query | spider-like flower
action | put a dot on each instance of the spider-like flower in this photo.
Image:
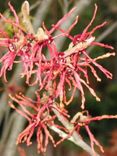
(15, 44)
(71, 66)
(84, 119)
(40, 118)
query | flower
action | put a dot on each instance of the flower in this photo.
(40, 118)
(83, 119)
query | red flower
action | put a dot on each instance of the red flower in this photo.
(7, 60)
(38, 114)
(83, 119)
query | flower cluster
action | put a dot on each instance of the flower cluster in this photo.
(55, 73)
(70, 67)
(40, 118)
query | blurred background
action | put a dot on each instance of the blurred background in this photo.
(50, 11)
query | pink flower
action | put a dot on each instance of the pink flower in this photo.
(38, 114)
(7, 60)
(83, 119)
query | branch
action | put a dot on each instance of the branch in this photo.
(33, 6)
(10, 147)
(4, 97)
(75, 138)
(41, 13)
(7, 128)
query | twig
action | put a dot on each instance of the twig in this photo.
(11, 143)
(41, 13)
(75, 138)
(7, 128)
(33, 6)
(64, 8)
